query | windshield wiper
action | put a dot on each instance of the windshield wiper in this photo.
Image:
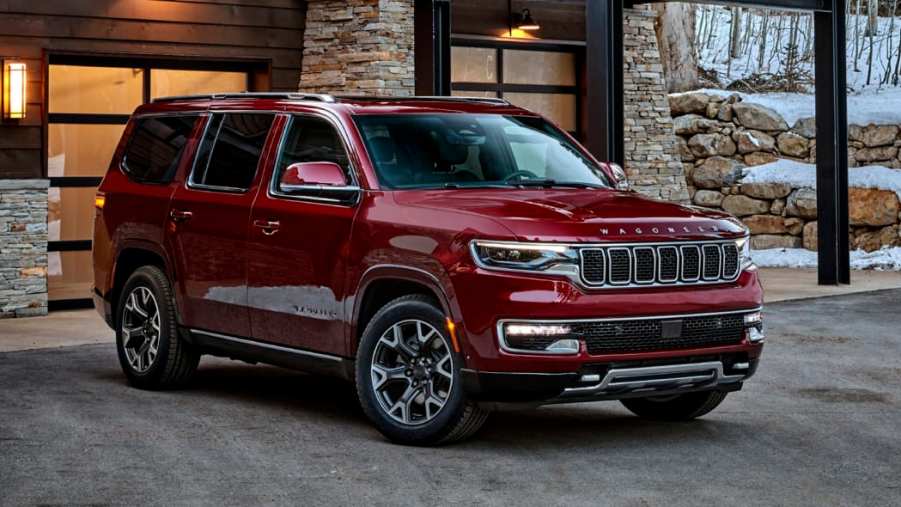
(547, 183)
(454, 186)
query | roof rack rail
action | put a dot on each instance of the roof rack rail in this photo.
(436, 98)
(319, 97)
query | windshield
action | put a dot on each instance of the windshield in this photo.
(474, 150)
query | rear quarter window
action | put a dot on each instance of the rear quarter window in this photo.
(156, 147)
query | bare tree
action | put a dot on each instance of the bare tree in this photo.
(675, 27)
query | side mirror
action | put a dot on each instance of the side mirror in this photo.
(619, 177)
(316, 174)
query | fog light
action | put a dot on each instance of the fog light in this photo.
(568, 346)
(756, 335)
(536, 330)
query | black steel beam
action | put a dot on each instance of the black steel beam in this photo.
(433, 47)
(799, 5)
(604, 79)
(832, 145)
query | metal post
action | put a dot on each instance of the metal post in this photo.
(432, 47)
(604, 77)
(832, 145)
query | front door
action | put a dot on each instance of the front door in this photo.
(209, 220)
(298, 244)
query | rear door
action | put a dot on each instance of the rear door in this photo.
(209, 219)
(299, 243)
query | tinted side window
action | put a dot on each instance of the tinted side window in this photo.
(156, 146)
(237, 141)
(312, 140)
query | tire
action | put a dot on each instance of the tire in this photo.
(682, 407)
(419, 421)
(148, 291)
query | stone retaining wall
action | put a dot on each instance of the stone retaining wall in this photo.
(23, 248)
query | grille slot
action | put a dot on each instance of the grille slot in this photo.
(660, 264)
(620, 266)
(712, 262)
(646, 335)
(594, 265)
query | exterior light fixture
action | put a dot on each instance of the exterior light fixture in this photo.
(522, 21)
(14, 98)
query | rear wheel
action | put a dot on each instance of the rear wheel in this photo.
(151, 352)
(679, 407)
(408, 376)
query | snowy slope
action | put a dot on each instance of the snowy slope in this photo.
(887, 259)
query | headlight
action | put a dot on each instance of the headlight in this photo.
(744, 252)
(546, 257)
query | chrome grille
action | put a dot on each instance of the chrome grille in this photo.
(660, 264)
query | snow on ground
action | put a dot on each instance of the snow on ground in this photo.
(871, 106)
(799, 174)
(887, 259)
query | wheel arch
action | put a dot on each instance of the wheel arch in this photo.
(130, 258)
(384, 283)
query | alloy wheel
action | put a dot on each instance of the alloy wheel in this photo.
(141, 329)
(412, 372)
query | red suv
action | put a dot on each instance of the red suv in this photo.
(447, 255)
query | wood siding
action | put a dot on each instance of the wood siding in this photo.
(559, 19)
(268, 32)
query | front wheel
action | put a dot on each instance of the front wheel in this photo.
(679, 407)
(408, 376)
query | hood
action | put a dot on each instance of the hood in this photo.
(580, 215)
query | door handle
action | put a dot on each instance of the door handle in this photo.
(269, 227)
(178, 215)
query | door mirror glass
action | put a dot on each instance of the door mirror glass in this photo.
(619, 175)
(306, 174)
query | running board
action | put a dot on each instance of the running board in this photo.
(255, 351)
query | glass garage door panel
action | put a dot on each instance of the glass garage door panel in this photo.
(168, 83)
(69, 275)
(95, 90)
(560, 108)
(81, 149)
(473, 65)
(539, 67)
(462, 93)
(70, 213)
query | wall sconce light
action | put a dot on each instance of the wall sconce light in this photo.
(14, 83)
(521, 21)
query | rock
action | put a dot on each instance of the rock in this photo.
(712, 109)
(767, 241)
(708, 145)
(806, 127)
(868, 155)
(766, 190)
(870, 206)
(855, 133)
(760, 158)
(725, 113)
(810, 236)
(686, 103)
(794, 226)
(765, 224)
(716, 172)
(793, 145)
(802, 203)
(871, 241)
(751, 140)
(879, 135)
(742, 205)
(684, 151)
(777, 207)
(757, 117)
(708, 198)
(692, 124)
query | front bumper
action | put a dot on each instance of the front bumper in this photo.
(613, 380)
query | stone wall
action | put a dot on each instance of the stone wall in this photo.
(651, 150)
(358, 46)
(23, 248)
(720, 136)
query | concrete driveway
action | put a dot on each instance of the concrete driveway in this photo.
(819, 425)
